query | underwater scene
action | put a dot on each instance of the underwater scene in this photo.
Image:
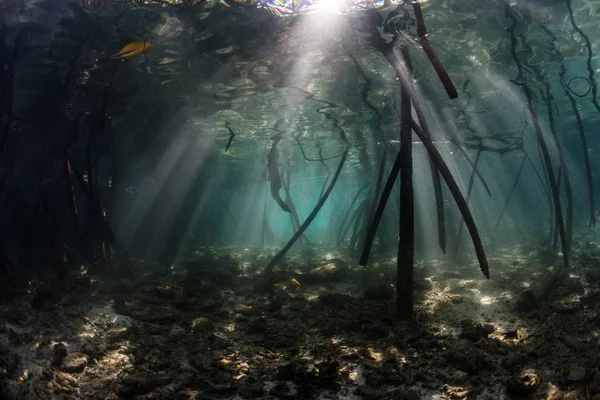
(299, 199)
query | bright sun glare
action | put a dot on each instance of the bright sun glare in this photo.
(334, 6)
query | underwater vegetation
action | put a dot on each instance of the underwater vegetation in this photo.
(283, 199)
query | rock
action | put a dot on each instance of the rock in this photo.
(92, 347)
(511, 333)
(576, 372)
(59, 352)
(423, 285)
(65, 381)
(576, 344)
(469, 359)
(456, 392)
(202, 324)
(514, 360)
(524, 384)
(475, 332)
(332, 271)
(336, 299)
(457, 298)
(74, 363)
(379, 291)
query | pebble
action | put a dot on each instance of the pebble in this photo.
(59, 352)
(523, 384)
(202, 324)
(74, 363)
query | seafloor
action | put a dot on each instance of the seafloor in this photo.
(208, 329)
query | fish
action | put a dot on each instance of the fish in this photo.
(292, 284)
(134, 49)
(275, 176)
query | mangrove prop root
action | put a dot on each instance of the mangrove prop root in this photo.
(266, 230)
(439, 207)
(435, 61)
(569, 228)
(402, 73)
(458, 197)
(590, 56)
(74, 214)
(570, 93)
(406, 237)
(554, 187)
(511, 192)
(565, 169)
(383, 199)
(559, 175)
(540, 136)
(327, 175)
(469, 190)
(378, 184)
(475, 169)
(294, 219)
(342, 232)
(539, 176)
(311, 216)
(586, 153)
(588, 165)
(546, 190)
(370, 237)
(358, 216)
(231, 135)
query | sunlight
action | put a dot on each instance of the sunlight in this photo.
(328, 6)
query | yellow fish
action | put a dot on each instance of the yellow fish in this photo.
(134, 49)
